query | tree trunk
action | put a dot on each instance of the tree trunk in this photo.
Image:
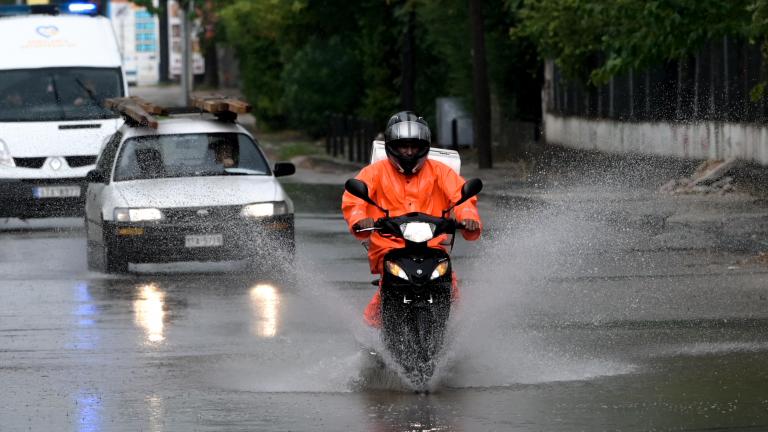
(408, 85)
(481, 93)
(211, 65)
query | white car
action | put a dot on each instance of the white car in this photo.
(193, 189)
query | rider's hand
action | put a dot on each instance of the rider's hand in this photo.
(363, 224)
(471, 224)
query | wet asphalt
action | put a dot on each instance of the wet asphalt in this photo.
(587, 306)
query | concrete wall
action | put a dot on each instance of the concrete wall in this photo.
(695, 140)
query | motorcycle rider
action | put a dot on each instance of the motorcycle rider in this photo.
(406, 182)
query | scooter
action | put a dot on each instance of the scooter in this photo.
(416, 284)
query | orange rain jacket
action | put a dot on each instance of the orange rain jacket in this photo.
(431, 190)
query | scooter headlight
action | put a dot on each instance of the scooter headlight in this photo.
(418, 232)
(440, 270)
(395, 270)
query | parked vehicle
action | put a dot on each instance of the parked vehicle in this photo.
(55, 69)
(188, 187)
(416, 284)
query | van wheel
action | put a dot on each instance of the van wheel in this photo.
(92, 257)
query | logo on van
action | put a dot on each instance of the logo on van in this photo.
(47, 31)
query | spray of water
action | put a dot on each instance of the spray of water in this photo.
(501, 331)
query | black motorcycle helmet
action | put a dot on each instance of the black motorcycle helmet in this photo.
(406, 127)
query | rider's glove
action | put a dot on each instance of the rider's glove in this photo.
(363, 224)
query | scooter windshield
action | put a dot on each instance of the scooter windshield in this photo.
(417, 232)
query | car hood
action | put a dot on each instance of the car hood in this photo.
(199, 191)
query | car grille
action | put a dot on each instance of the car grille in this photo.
(80, 161)
(29, 162)
(38, 162)
(202, 214)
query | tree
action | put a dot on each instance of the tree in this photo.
(482, 112)
(620, 35)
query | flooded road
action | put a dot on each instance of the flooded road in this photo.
(580, 311)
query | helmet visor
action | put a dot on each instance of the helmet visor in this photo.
(408, 130)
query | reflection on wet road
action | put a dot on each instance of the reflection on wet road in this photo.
(265, 301)
(148, 310)
(567, 332)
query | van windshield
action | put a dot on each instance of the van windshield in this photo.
(57, 93)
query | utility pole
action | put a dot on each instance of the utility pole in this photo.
(163, 22)
(480, 91)
(186, 60)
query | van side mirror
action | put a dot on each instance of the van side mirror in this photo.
(95, 176)
(283, 169)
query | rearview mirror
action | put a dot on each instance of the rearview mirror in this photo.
(359, 189)
(95, 176)
(284, 169)
(471, 188)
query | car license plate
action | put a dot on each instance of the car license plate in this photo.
(205, 240)
(56, 192)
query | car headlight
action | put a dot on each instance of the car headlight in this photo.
(257, 210)
(137, 214)
(396, 270)
(440, 270)
(5, 155)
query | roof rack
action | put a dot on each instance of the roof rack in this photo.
(135, 110)
(224, 108)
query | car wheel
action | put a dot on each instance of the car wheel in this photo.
(114, 261)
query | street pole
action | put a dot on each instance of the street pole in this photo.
(186, 68)
(164, 70)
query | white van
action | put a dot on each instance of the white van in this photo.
(54, 72)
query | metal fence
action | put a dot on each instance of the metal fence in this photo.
(714, 84)
(350, 137)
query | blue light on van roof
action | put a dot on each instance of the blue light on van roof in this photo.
(8, 10)
(64, 7)
(81, 8)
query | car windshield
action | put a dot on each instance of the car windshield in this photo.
(189, 155)
(57, 93)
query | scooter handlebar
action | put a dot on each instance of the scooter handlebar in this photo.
(388, 226)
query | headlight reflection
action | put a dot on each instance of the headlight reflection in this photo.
(265, 301)
(149, 313)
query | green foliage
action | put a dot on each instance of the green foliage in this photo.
(254, 28)
(321, 78)
(303, 58)
(288, 150)
(602, 38)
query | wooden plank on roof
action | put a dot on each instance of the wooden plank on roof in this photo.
(130, 108)
(221, 104)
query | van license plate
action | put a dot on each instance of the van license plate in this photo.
(56, 192)
(206, 240)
